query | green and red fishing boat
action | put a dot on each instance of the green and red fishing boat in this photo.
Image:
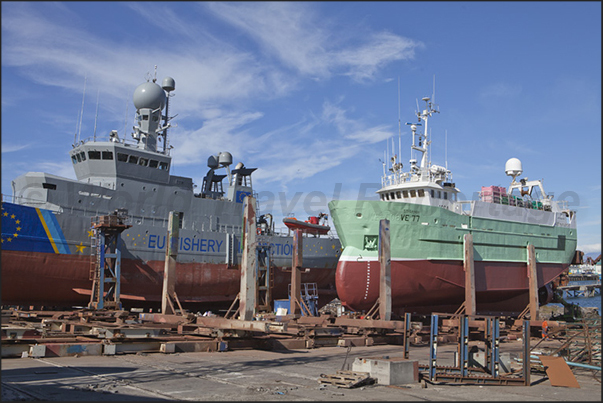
(428, 222)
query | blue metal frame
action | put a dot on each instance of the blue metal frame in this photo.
(494, 350)
(406, 334)
(433, 346)
(464, 345)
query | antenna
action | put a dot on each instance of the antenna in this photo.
(79, 130)
(126, 119)
(446, 148)
(399, 129)
(96, 116)
(433, 94)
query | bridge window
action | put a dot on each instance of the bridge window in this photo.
(421, 192)
(445, 195)
(153, 163)
(94, 155)
(413, 193)
(164, 166)
(122, 157)
(83, 154)
(133, 159)
(432, 193)
(143, 161)
(73, 159)
(398, 194)
(392, 196)
(107, 155)
(405, 194)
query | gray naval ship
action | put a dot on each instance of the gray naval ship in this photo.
(47, 236)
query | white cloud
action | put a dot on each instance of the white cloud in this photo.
(10, 148)
(590, 248)
(223, 132)
(297, 36)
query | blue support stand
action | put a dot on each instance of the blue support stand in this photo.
(433, 346)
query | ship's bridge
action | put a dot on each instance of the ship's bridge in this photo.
(102, 162)
(426, 193)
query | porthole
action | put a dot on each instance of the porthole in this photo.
(359, 215)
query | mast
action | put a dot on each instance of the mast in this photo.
(96, 114)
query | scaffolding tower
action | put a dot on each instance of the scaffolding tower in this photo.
(105, 259)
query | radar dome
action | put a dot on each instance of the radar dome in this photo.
(168, 84)
(212, 161)
(513, 167)
(225, 158)
(149, 95)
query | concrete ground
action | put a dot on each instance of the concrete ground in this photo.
(253, 375)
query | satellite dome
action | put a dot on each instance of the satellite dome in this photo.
(225, 158)
(513, 167)
(212, 161)
(168, 84)
(149, 95)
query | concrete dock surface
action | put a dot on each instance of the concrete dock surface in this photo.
(255, 375)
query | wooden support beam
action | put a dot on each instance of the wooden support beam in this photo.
(295, 299)
(169, 271)
(533, 282)
(469, 268)
(247, 295)
(385, 278)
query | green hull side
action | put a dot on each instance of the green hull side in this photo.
(419, 232)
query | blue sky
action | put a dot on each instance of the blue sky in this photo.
(308, 91)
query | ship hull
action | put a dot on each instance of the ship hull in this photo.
(425, 286)
(427, 254)
(46, 261)
(55, 280)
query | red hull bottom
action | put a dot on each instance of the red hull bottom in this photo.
(56, 280)
(439, 286)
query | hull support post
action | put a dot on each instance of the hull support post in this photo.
(385, 284)
(169, 272)
(533, 282)
(295, 298)
(247, 302)
(469, 268)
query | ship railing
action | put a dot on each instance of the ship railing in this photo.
(125, 142)
(396, 178)
(36, 203)
(511, 200)
(464, 207)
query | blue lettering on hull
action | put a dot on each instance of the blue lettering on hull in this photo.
(187, 244)
(204, 245)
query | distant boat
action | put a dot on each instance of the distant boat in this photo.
(311, 226)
